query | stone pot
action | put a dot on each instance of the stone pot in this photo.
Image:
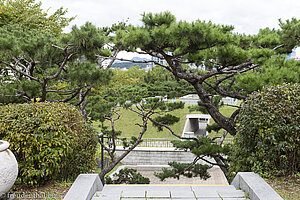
(8, 168)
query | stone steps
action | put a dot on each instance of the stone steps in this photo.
(157, 156)
(160, 191)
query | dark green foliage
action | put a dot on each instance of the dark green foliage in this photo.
(89, 41)
(291, 32)
(216, 100)
(276, 70)
(213, 127)
(36, 64)
(51, 141)
(269, 132)
(127, 176)
(184, 169)
(167, 119)
(207, 148)
(86, 73)
(17, 41)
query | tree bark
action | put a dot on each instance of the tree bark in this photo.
(223, 121)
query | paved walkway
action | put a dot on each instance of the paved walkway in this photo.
(155, 192)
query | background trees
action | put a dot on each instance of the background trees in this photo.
(28, 13)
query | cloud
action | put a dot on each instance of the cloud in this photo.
(248, 16)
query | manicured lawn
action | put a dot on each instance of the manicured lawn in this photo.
(128, 120)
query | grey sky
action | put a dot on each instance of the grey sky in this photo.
(248, 16)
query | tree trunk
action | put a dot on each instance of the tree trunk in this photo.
(223, 121)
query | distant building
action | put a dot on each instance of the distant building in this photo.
(158, 60)
(294, 55)
(195, 125)
(229, 101)
(194, 98)
(104, 63)
(190, 99)
(148, 68)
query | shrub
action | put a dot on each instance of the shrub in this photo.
(268, 139)
(51, 141)
(127, 176)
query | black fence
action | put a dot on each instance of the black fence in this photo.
(149, 142)
(156, 142)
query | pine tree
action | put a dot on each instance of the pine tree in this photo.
(37, 65)
(224, 61)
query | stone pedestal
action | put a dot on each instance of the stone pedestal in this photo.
(8, 168)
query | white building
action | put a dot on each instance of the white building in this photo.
(158, 60)
(195, 125)
(295, 54)
(194, 98)
(190, 99)
(229, 101)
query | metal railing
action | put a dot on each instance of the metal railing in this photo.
(149, 142)
(157, 142)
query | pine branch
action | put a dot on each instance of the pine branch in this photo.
(13, 67)
(172, 132)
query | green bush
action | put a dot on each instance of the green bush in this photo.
(268, 139)
(51, 141)
(127, 176)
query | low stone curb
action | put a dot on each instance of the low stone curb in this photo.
(84, 187)
(255, 186)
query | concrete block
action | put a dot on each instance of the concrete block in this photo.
(255, 186)
(84, 187)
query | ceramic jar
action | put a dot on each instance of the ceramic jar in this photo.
(8, 168)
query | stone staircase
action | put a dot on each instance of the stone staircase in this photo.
(245, 186)
(171, 191)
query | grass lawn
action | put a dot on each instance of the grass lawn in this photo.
(128, 120)
(287, 187)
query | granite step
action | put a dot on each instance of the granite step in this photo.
(161, 191)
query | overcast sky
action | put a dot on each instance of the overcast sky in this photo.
(247, 16)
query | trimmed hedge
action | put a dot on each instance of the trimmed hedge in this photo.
(51, 141)
(268, 139)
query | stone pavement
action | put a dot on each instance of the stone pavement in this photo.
(188, 192)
